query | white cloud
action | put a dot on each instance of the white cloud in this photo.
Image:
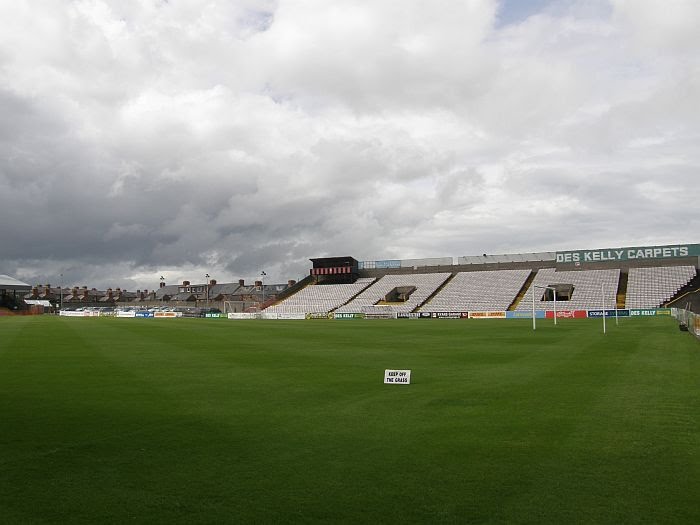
(661, 27)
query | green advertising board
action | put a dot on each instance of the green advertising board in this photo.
(630, 254)
(349, 316)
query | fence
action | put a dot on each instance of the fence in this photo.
(687, 320)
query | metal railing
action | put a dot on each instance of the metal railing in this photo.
(687, 320)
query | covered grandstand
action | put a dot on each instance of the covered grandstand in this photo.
(618, 278)
(12, 292)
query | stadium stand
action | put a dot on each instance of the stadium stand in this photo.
(653, 286)
(12, 292)
(478, 291)
(592, 289)
(632, 277)
(423, 285)
(320, 298)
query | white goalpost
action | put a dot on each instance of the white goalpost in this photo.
(554, 294)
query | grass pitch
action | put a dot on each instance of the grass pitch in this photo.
(211, 421)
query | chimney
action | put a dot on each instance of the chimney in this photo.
(291, 283)
(74, 291)
(241, 282)
(162, 284)
(258, 284)
(212, 282)
(185, 283)
(35, 291)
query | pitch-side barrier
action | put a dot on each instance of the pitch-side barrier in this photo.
(687, 320)
(119, 313)
(684, 317)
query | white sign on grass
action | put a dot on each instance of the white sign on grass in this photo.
(397, 377)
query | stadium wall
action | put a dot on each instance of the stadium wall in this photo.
(456, 268)
(601, 259)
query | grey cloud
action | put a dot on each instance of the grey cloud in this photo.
(140, 138)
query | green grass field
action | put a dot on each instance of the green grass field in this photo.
(212, 421)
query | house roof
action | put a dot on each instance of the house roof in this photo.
(170, 290)
(217, 290)
(185, 296)
(223, 289)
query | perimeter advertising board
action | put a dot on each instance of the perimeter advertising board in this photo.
(450, 315)
(319, 315)
(649, 312)
(525, 314)
(342, 315)
(291, 316)
(167, 315)
(414, 315)
(567, 314)
(241, 315)
(71, 313)
(487, 315)
(641, 312)
(608, 313)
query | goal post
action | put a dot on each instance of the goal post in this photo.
(554, 295)
(379, 311)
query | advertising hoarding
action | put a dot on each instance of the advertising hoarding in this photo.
(629, 254)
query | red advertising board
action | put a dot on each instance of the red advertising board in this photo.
(567, 314)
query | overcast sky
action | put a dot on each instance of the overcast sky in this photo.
(141, 138)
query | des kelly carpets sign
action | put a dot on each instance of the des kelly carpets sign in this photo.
(629, 254)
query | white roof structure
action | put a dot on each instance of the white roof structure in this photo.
(10, 283)
(39, 302)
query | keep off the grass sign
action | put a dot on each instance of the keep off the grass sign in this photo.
(397, 377)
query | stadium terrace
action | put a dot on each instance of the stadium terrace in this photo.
(629, 280)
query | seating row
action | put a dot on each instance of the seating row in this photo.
(425, 285)
(321, 298)
(479, 291)
(591, 289)
(651, 287)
